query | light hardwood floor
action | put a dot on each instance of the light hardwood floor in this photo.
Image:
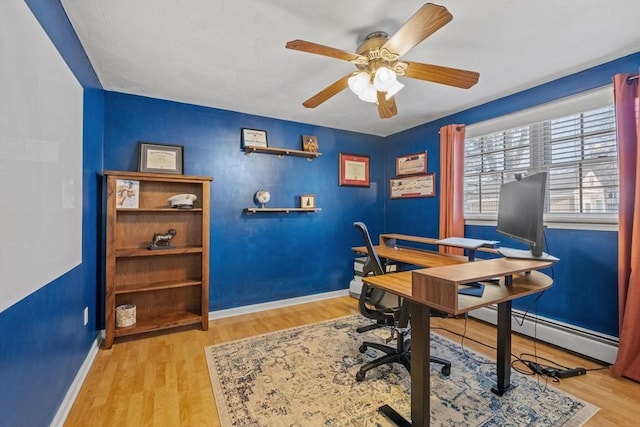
(163, 380)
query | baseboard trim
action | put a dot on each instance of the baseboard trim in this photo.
(74, 388)
(255, 308)
(589, 343)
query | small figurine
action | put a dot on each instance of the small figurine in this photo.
(163, 241)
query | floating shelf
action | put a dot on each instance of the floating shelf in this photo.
(281, 152)
(280, 210)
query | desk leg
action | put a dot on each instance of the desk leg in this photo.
(420, 365)
(420, 370)
(503, 354)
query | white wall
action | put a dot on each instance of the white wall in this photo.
(40, 158)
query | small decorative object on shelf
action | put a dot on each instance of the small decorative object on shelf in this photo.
(182, 201)
(127, 193)
(163, 241)
(125, 315)
(262, 197)
(310, 143)
(254, 138)
(160, 158)
(308, 201)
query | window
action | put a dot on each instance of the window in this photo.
(574, 140)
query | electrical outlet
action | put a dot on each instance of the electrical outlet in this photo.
(86, 316)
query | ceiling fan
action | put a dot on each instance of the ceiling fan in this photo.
(378, 62)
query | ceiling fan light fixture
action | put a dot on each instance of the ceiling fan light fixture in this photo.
(369, 94)
(384, 79)
(394, 89)
(358, 82)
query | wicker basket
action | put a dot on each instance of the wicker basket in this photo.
(125, 315)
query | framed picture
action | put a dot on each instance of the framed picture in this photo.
(127, 193)
(354, 170)
(413, 186)
(308, 201)
(310, 143)
(254, 138)
(160, 158)
(413, 164)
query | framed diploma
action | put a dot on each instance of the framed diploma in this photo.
(413, 164)
(354, 170)
(254, 138)
(160, 158)
(413, 186)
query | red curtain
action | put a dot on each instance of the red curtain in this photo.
(451, 185)
(626, 104)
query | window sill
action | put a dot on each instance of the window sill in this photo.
(573, 224)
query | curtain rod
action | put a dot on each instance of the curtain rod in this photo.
(458, 127)
(629, 79)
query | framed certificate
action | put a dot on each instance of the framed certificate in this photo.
(354, 170)
(413, 186)
(160, 158)
(254, 138)
(413, 164)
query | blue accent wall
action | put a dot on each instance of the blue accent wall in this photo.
(262, 257)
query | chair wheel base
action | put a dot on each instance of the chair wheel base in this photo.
(362, 348)
(446, 370)
(359, 376)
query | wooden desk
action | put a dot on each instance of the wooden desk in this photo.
(409, 256)
(388, 248)
(438, 288)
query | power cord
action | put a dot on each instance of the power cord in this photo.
(525, 363)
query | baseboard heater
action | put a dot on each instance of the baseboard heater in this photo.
(589, 343)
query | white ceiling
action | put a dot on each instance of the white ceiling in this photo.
(231, 54)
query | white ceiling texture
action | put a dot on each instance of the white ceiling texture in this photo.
(230, 54)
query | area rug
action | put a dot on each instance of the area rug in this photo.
(305, 376)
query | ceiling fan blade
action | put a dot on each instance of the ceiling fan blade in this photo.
(443, 75)
(326, 93)
(387, 108)
(319, 49)
(426, 21)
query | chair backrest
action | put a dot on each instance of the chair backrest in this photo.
(370, 296)
(373, 264)
(378, 298)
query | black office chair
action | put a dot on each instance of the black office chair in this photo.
(386, 309)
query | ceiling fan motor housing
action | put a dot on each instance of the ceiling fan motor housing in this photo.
(376, 56)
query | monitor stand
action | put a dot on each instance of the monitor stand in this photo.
(524, 254)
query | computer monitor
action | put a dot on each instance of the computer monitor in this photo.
(520, 214)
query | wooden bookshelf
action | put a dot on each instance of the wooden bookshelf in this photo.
(168, 286)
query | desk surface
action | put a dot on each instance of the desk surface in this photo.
(420, 258)
(438, 286)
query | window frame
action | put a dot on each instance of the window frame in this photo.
(583, 102)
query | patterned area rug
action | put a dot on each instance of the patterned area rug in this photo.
(305, 377)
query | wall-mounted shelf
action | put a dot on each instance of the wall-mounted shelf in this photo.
(281, 152)
(279, 210)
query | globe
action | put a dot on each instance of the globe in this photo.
(262, 197)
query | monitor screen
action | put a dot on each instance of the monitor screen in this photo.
(521, 209)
